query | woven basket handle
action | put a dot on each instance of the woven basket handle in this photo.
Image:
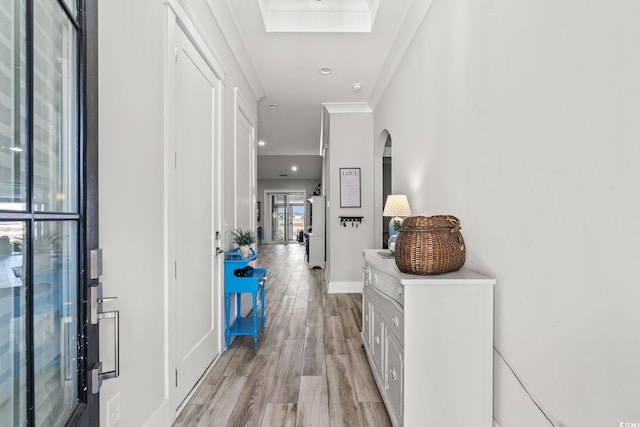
(455, 224)
(455, 228)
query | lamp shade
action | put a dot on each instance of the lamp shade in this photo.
(396, 205)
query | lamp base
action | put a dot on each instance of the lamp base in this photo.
(392, 231)
(392, 243)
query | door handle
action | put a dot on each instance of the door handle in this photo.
(115, 315)
(95, 315)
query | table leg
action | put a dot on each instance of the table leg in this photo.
(262, 304)
(255, 320)
(227, 332)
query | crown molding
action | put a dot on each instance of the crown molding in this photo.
(347, 107)
(406, 32)
(226, 20)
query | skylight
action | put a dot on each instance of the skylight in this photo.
(319, 16)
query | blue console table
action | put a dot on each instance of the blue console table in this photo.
(253, 284)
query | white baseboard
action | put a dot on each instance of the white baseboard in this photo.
(511, 404)
(162, 416)
(344, 287)
(495, 423)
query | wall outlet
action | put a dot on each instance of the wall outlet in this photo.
(113, 411)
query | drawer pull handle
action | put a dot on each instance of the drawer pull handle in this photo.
(392, 371)
(377, 339)
(375, 278)
(399, 292)
(395, 321)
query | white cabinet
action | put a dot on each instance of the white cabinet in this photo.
(316, 239)
(316, 251)
(429, 341)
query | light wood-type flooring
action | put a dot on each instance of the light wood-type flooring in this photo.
(310, 368)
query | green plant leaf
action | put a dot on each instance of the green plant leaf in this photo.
(243, 237)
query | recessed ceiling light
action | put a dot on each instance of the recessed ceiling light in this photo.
(325, 71)
(272, 106)
(356, 87)
(294, 168)
(261, 143)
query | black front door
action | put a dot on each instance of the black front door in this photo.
(48, 211)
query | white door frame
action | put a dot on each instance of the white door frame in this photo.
(267, 211)
(178, 14)
(242, 110)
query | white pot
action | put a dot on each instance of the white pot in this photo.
(245, 250)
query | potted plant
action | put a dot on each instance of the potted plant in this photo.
(243, 238)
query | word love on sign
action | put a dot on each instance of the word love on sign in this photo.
(350, 188)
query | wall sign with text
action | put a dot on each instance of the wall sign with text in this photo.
(349, 187)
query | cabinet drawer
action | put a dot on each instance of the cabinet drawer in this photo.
(366, 319)
(395, 375)
(377, 340)
(386, 285)
(391, 312)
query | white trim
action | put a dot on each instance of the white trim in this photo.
(347, 107)
(164, 415)
(495, 423)
(511, 403)
(165, 411)
(322, 136)
(412, 20)
(218, 214)
(267, 209)
(178, 15)
(242, 108)
(346, 16)
(344, 287)
(191, 28)
(195, 387)
(223, 15)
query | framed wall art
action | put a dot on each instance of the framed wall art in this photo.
(350, 188)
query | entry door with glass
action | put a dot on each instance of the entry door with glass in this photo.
(45, 342)
(287, 216)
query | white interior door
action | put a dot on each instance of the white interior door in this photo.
(245, 166)
(196, 333)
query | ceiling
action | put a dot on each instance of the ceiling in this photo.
(272, 167)
(352, 37)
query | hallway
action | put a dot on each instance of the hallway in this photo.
(310, 368)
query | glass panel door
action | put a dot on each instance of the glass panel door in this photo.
(13, 141)
(43, 335)
(296, 223)
(55, 323)
(55, 112)
(13, 329)
(278, 217)
(287, 217)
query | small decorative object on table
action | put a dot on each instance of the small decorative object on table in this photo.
(430, 245)
(392, 243)
(243, 238)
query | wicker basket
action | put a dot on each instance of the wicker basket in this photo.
(430, 245)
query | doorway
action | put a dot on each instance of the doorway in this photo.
(287, 216)
(48, 212)
(386, 187)
(193, 187)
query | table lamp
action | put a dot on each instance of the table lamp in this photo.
(396, 206)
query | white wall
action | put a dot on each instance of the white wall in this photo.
(521, 118)
(132, 225)
(350, 146)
